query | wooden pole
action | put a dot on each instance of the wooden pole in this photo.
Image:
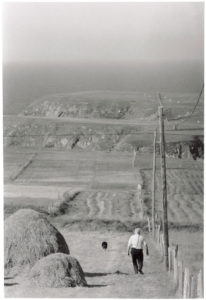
(181, 277)
(164, 186)
(149, 226)
(169, 259)
(158, 234)
(161, 244)
(193, 287)
(187, 283)
(140, 198)
(153, 183)
(200, 292)
(175, 265)
(134, 157)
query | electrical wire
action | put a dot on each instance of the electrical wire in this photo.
(197, 101)
(183, 118)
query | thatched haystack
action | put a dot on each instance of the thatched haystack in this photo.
(28, 236)
(57, 270)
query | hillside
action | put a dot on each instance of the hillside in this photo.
(106, 121)
(94, 105)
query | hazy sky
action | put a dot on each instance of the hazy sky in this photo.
(102, 32)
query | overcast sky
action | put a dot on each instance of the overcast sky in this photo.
(103, 32)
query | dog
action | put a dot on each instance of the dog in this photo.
(104, 245)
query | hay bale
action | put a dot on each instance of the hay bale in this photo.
(57, 270)
(28, 236)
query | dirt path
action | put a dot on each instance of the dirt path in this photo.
(109, 273)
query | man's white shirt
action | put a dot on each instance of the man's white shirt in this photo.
(136, 241)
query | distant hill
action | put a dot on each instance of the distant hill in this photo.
(95, 105)
(107, 121)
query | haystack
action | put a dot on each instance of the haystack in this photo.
(28, 236)
(57, 270)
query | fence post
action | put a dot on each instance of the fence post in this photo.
(200, 292)
(156, 217)
(187, 284)
(158, 234)
(180, 277)
(171, 253)
(149, 224)
(133, 158)
(155, 233)
(162, 244)
(140, 199)
(175, 265)
(170, 258)
(193, 286)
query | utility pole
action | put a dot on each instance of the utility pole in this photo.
(153, 182)
(164, 186)
(134, 157)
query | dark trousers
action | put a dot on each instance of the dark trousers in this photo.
(137, 259)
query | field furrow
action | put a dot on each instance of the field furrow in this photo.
(100, 204)
(107, 205)
(185, 193)
(90, 206)
(172, 213)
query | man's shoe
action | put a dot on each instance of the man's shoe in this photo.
(141, 272)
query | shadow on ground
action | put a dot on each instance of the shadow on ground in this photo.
(96, 285)
(10, 284)
(87, 274)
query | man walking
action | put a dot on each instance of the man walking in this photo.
(135, 247)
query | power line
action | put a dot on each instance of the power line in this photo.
(200, 94)
(183, 118)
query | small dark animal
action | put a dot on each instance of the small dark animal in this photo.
(104, 245)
